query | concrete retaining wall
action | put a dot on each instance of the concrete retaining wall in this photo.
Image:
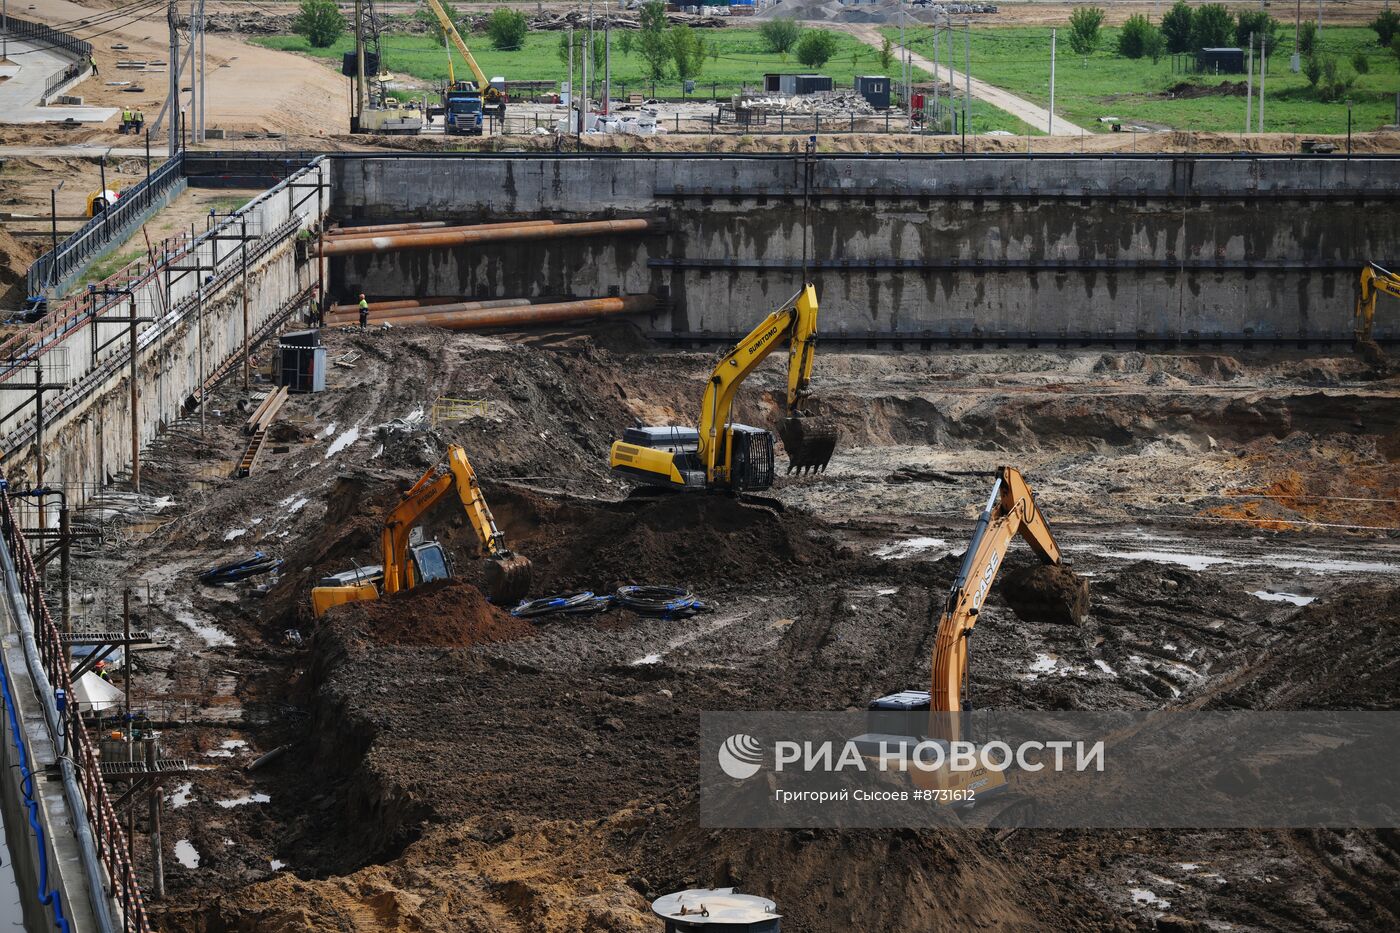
(197, 301)
(914, 248)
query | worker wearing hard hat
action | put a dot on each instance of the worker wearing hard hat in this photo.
(364, 312)
(100, 668)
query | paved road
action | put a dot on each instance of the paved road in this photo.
(1035, 115)
(79, 151)
(33, 65)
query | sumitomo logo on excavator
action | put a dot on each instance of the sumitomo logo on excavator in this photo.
(988, 576)
(762, 342)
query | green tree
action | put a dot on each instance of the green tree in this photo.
(1084, 25)
(580, 45)
(886, 54)
(1395, 46)
(687, 51)
(1307, 38)
(1386, 26)
(1212, 27)
(1139, 39)
(506, 29)
(779, 35)
(1312, 70)
(651, 41)
(1334, 85)
(1176, 27)
(1263, 27)
(1360, 62)
(816, 47)
(625, 43)
(320, 22)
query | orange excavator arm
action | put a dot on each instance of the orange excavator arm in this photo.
(1011, 510)
(1374, 279)
(454, 470)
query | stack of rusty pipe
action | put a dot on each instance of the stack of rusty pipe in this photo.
(497, 312)
(353, 241)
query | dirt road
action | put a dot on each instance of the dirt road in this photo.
(249, 88)
(1018, 107)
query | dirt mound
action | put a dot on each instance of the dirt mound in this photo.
(447, 613)
(685, 539)
(1187, 90)
(1045, 593)
(15, 259)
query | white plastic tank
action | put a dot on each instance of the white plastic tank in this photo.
(717, 910)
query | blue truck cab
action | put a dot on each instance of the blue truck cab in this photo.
(462, 111)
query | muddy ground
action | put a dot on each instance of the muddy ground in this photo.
(450, 768)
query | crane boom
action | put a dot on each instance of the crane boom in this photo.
(489, 95)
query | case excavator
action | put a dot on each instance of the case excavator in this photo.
(407, 564)
(1011, 510)
(719, 454)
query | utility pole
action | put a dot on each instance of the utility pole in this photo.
(1050, 123)
(1297, 63)
(583, 101)
(967, 78)
(607, 65)
(203, 74)
(357, 112)
(1249, 87)
(573, 88)
(194, 69)
(1263, 72)
(174, 68)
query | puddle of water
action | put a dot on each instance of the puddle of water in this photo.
(186, 854)
(887, 591)
(1294, 598)
(1187, 866)
(213, 636)
(328, 430)
(1148, 898)
(241, 801)
(349, 437)
(181, 796)
(1189, 561)
(1283, 560)
(900, 550)
(683, 640)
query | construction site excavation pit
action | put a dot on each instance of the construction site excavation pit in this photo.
(429, 761)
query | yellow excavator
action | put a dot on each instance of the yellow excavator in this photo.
(1011, 510)
(1374, 280)
(493, 98)
(722, 455)
(406, 564)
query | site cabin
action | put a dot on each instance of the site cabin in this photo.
(875, 89)
(1220, 61)
(794, 85)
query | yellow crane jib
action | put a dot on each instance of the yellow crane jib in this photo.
(406, 565)
(720, 454)
(493, 98)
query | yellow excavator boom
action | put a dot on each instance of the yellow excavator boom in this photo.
(1374, 280)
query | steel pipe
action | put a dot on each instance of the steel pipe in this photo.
(438, 239)
(395, 314)
(384, 228)
(529, 315)
(392, 305)
(444, 229)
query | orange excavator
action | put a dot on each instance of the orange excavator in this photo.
(1011, 510)
(407, 564)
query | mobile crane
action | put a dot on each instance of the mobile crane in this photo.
(406, 565)
(1011, 510)
(721, 455)
(464, 102)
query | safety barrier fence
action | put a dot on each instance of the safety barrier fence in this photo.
(113, 224)
(95, 804)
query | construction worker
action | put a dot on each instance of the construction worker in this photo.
(100, 668)
(140, 119)
(364, 312)
(126, 121)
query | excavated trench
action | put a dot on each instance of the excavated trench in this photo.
(450, 768)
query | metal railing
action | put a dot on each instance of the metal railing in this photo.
(99, 232)
(49, 37)
(106, 827)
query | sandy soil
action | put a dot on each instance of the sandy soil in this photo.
(473, 773)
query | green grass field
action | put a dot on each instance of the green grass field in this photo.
(741, 61)
(1018, 59)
